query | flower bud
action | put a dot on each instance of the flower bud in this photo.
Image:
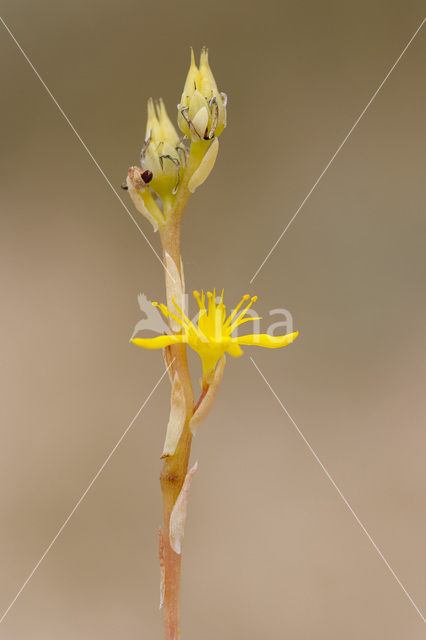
(163, 154)
(202, 109)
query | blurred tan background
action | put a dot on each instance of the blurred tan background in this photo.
(270, 550)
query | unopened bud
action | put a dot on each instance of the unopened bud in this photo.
(163, 154)
(202, 109)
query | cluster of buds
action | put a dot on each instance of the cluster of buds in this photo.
(202, 109)
(166, 154)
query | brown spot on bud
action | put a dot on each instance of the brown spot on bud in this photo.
(146, 176)
(124, 187)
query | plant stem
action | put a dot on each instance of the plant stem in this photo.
(175, 467)
(172, 477)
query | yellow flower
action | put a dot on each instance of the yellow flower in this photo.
(212, 337)
(202, 109)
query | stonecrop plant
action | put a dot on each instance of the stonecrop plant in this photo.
(173, 165)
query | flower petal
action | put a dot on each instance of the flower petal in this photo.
(159, 342)
(178, 516)
(265, 340)
(234, 349)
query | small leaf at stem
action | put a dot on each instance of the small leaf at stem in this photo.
(178, 516)
(174, 288)
(206, 165)
(206, 403)
(177, 417)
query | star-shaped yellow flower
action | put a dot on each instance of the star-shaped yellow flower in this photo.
(212, 336)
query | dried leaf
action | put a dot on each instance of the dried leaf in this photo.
(182, 277)
(140, 204)
(174, 288)
(178, 517)
(207, 402)
(177, 417)
(206, 165)
(168, 360)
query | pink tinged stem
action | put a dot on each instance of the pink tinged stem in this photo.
(162, 566)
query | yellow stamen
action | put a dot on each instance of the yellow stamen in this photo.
(242, 314)
(169, 314)
(237, 308)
